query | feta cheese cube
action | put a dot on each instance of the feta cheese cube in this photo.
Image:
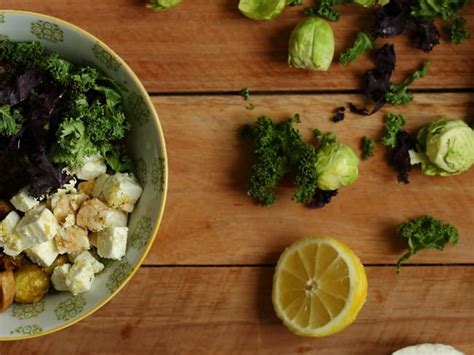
(120, 190)
(43, 254)
(93, 167)
(87, 258)
(58, 278)
(92, 215)
(116, 218)
(99, 185)
(11, 241)
(22, 201)
(63, 205)
(71, 239)
(112, 243)
(37, 227)
(69, 221)
(79, 278)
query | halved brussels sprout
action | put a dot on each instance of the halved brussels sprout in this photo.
(261, 9)
(311, 45)
(160, 5)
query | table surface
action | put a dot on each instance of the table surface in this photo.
(205, 286)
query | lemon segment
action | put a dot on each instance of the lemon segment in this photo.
(319, 287)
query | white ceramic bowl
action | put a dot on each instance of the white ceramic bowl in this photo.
(147, 145)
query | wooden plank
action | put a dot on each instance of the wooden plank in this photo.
(229, 311)
(207, 45)
(210, 220)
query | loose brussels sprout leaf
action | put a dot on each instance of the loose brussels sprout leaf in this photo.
(261, 9)
(369, 3)
(336, 165)
(449, 145)
(311, 45)
(160, 5)
(427, 167)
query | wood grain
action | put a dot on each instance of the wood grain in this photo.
(210, 220)
(229, 311)
(205, 45)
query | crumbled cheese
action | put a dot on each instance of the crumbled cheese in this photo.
(72, 239)
(58, 278)
(111, 243)
(43, 254)
(428, 349)
(37, 227)
(92, 215)
(81, 275)
(86, 257)
(93, 167)
(12, 245)
(23, 202)
(120, 190)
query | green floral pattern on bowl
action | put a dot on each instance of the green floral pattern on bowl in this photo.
(146, 144)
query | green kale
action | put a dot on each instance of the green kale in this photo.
(10, 121)
(73, 144)
(393, 125)
(367, 146)
(294, 2)
(104, 124)
(446, 9)
(326, 9)
(424, 233)
(362, 44)
(399, 94)
(280, 149)
(458, 30)
(58, 68)
(116, 157)
(245, 93)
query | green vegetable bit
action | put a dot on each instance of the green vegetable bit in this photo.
(458, 30)
(161, 5)
(362, 44)
(370, 3)
(262, 10)
(399, 94)
(447, 9)
(294, 2)
(245, 93)
(393, 125)
(10, 121)
(426, 233)
(367, 146)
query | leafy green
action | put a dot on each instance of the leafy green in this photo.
(447, 9)
(326, 9)
(362, 44)
(161, 5)
(10, 121)
(426, 233)
(399, 94)
(294, 2)
(280, 149)
(367, 146)
(458, 30)
(393, 125)
(245, 93)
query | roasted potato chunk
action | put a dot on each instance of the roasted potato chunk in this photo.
(60, 260)
(7, 289)
(31, 284)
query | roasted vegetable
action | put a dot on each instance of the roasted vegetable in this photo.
(5, 208)
(7, 289)
(31, 284)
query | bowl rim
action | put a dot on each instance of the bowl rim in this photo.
(164, 194)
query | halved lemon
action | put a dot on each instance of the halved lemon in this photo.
(319, 287)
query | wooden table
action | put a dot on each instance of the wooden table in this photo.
(205, 286)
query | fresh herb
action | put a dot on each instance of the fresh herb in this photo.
(10, 121)
(375, 82)
(367, 146)
(326, 9)
(393, 125)
(245, 93)
(362, 44)
(458, 30)
(399, 94)
(426, 233)
(339, 115)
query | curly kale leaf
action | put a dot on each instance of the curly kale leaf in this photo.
(393, 125)
(426, 233)
(11, 121)
(458, 30)
(362, 44)
(399, 94)
(367, 146)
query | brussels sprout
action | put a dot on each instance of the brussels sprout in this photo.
(311, 45)
(336, 165)
(261, 9)
(160, 5)
(446, 148)
(369, 3)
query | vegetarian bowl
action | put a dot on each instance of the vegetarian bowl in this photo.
(147, 176)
